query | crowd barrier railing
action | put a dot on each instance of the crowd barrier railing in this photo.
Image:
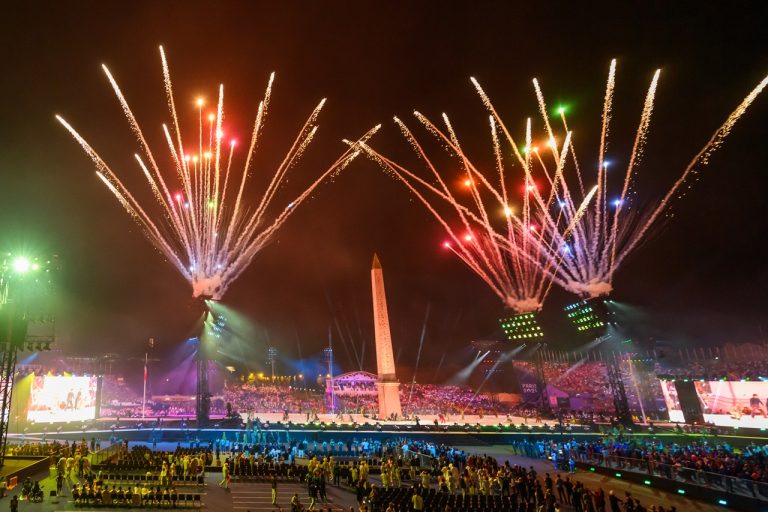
(726, 483)
(424, 460)
(103, 455)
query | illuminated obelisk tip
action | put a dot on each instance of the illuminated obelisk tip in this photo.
(388, 386)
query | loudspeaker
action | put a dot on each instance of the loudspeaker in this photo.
(689, 402)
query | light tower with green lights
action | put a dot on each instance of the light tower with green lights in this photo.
(20, 279)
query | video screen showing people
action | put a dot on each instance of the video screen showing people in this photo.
(724, 402)
(62, 398)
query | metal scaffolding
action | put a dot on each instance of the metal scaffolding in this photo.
(620, 402)
(7, 370)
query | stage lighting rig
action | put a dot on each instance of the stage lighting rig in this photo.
(24, 292)
(591, 317)
(522, 327)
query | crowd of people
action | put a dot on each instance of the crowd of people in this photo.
(584, 383)
(274, 398)
(418, 475)
(96, 493)
(515, 487)
(44, 449)
(67, 460)
(704, 463)
(586, 380)
(182, 462)
(73, 454)
(450, 401)
(716, 369)
(414, 471)
(452, 472)
(163, 471)
(421, 399)
(159, 409)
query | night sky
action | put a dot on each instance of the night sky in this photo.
(702, 277)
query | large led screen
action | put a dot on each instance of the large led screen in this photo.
(61, 398)
(724, 402)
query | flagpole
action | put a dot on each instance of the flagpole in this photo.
(144, 396)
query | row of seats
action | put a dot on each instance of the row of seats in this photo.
(153, 500)
(150, 479)
(245, 479)
(266, 471)
(346, 457)
(128, 465)
(438, 501)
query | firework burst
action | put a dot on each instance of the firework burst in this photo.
(591, 249)
(560, 228)
(496, 231)
(207, 230)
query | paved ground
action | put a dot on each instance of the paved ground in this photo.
(255, 497)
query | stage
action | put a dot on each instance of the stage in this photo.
(343, 419)
(21, 467)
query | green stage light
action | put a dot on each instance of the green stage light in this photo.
(590, 316)
(521, 326)
(21, 264)
(647, 482)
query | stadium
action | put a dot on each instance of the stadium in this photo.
(443, 258)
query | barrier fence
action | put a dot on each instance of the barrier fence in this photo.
(679, 473)
(674, 472)
(103, 455)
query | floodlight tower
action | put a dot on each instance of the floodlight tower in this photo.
(18, 277)
(521, 327)
(593, 318)
(204, 350)
(328, 358)
(272, 360)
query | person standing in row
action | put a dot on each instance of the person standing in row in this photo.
(312, 495)
(274, 490)
(225, 476)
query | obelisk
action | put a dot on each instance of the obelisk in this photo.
(388, 385)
